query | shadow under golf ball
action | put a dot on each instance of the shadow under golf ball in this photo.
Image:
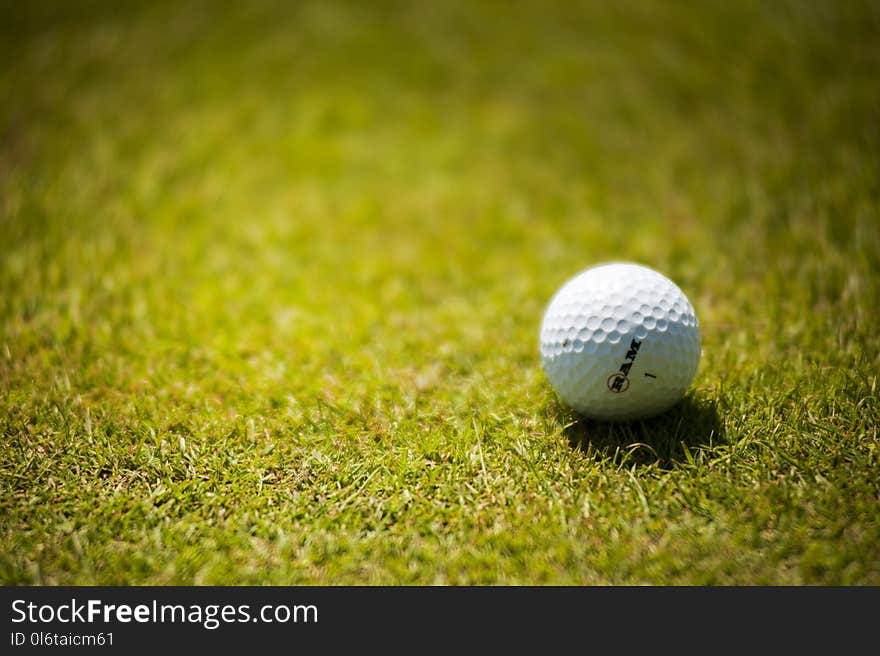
(668, 440)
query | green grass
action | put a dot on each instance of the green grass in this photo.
(271, 277)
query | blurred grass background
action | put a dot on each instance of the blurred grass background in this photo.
(271, 276)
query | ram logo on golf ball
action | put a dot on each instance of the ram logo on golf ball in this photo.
(614, 310)
(618, 381)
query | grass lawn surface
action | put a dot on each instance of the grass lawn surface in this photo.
(271, 278)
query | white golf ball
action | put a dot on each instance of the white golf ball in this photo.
(620, 341)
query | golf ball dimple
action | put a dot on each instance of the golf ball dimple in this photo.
(620, 341)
